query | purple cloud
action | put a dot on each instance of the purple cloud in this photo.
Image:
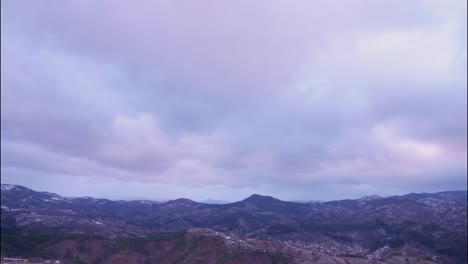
(248, 96)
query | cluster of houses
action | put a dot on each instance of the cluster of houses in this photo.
(333, 250)
(27, 261)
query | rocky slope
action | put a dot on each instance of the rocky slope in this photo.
(428, 227)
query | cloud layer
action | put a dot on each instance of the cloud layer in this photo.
(303, 100)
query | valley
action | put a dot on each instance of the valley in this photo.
(414, 228)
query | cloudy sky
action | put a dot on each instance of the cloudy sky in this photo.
(301, 100)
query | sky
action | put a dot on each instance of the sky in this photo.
(300, 100)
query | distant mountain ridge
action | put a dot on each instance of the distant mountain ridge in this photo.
(258, 197)
(426, 224)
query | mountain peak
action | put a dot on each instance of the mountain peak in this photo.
(369, 198)
(259, 198)
(181, 201)
(13, 187)
(8, 187)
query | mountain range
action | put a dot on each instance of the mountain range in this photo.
(412, 228)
